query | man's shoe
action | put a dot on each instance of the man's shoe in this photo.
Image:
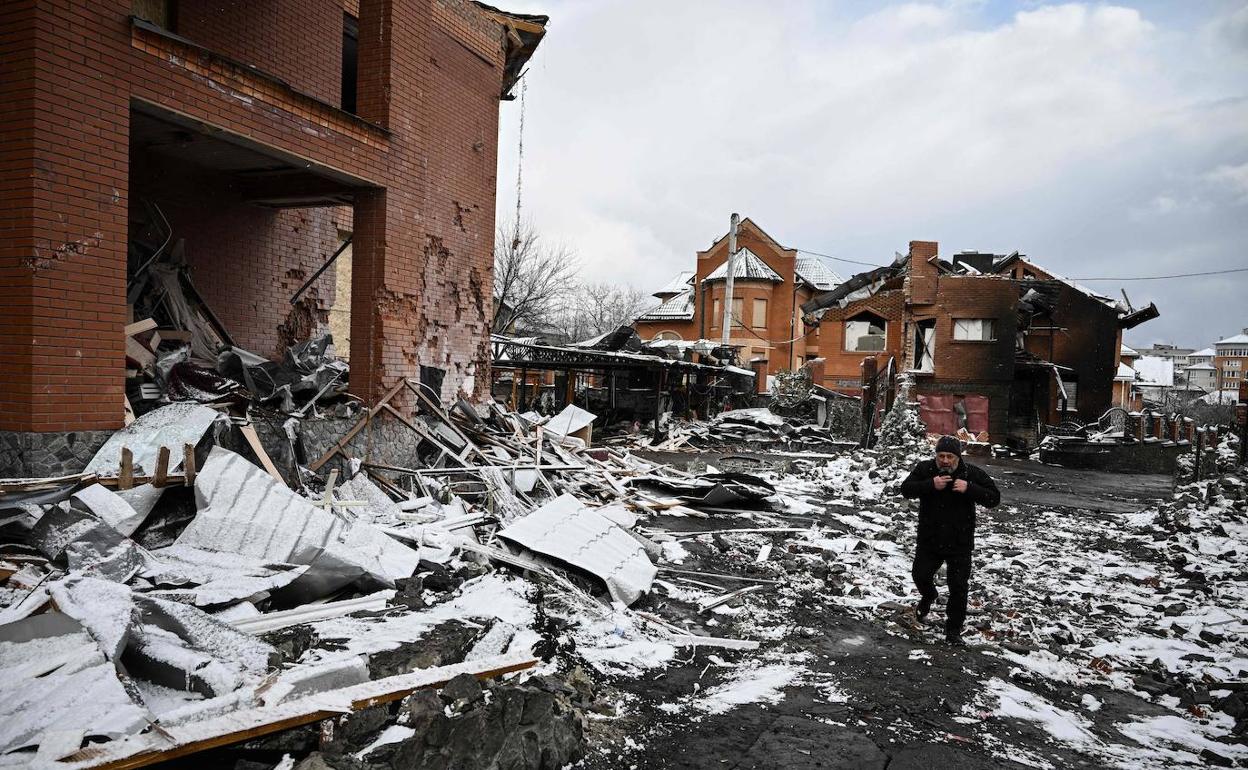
(923, 607)
(954, 640)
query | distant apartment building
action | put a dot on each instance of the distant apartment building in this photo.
(1180, 356)
(1231, 360)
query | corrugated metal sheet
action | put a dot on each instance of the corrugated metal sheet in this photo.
(749, 266)
(566, 530)
(242, 510)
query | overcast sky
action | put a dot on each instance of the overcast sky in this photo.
(1100, 140)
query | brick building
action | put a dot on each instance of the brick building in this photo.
(1231, 361)
(770, 283)
(995, 344)
(255, 138)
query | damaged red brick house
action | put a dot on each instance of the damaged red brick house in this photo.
(770, 284)
(995, 344)
(246, 142)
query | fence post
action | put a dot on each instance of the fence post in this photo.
(1200, 449)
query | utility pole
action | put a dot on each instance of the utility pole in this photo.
(732, 267)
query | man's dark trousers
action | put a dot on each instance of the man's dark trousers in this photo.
(927, 561)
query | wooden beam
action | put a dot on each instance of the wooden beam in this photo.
(162, 468)
(249, 433)
(138, 327)
(188, 464)
(126, 479)
(237, 728)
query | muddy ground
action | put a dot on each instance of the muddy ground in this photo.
(876, 691)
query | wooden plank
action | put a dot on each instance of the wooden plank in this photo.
(279, 719)
(139, 354)
(161, 478)
(188, 464)
(327, 502)
(176, 335)
(711, 604)
(249, 433)
(138, 327)
(126, 479)
(359, 425)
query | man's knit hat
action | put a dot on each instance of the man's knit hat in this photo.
(949, 444)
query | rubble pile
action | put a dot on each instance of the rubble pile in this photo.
(177, 596)
(757, 427)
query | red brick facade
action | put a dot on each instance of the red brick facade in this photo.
(1082, 337)
(418, 158)
(771, 338)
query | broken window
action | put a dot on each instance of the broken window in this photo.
(925, 346)
(667, 335)
(1071, 402)
(865, 333)
(759, 317)
(974, 329)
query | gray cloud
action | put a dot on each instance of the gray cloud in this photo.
(1103, 141)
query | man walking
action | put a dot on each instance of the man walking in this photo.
(948, 490)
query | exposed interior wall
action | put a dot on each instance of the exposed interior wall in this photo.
(246, 260)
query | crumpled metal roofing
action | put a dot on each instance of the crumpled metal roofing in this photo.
(566, 530)
(243, 510)
(749, 266)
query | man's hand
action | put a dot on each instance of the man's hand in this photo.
(959, 485)
(940, 482)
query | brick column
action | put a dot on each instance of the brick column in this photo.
(64, 145)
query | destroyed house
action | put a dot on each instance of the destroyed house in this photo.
(996, 345)
(770, 283)
(248, 175)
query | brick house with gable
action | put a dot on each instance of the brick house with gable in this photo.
(770, 284)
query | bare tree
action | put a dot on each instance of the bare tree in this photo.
(597, 308)
(531, 277)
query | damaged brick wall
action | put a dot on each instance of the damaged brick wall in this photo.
(425, 140)
(843, 368)
(422, 295)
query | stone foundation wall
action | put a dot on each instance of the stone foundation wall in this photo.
(37, 455)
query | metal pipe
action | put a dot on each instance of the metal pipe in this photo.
(320, 270)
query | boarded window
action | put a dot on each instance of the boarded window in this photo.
(738, 313)
(975, 329)
(758, 319)
(865, 333)
(715, 315)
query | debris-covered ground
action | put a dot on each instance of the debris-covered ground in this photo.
(507, 597)
(1106, 631)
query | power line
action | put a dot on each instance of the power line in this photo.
(839, 259)
(1132, 278)
(1164, 277)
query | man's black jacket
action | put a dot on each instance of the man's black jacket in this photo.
(946, 517)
